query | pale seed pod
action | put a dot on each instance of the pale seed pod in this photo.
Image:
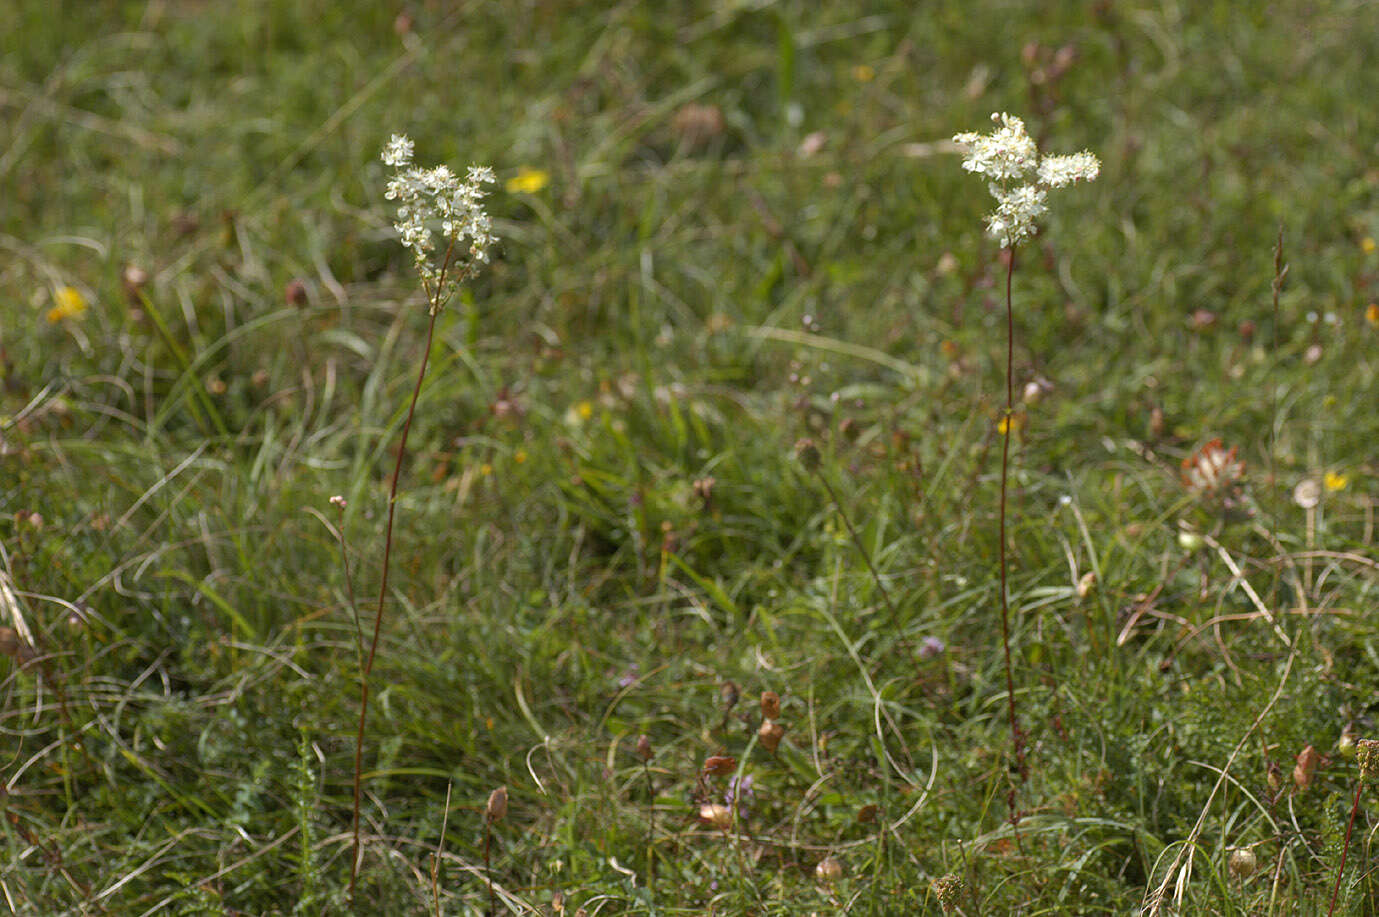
(716, 816)
(1242, 862)
(829, 870)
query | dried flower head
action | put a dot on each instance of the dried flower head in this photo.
(719, 765)
(497, 806)
(1305, 767)
(1367, 754)
(770, 705)
(770, 734)
(427, 196)
(644, 751)
(1020, 180)
(1212, 469)
(946, 889)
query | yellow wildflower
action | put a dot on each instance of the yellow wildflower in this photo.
(1335, 481)
(67, 303)
(1013, 422)
(1372, 314)
(863, 73)
(520, 456)
(1367, 243)
(585, 410)
(528, 181)
(485, 469)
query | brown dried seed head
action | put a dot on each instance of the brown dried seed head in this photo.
(1367, 753)
(770, 734)
(946, 889)
(1086, 584)
(295, 292)
(719, 765)
(770, 705)
(808, 454)
(1305, 767)
(497, 804)
(644, 747)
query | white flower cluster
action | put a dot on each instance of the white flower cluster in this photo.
(428, 196)
(1007, 155)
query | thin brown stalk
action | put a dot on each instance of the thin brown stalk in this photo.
(382, 596)
(440, 844)
(435, 297)
(488, 868)
(1017, 737)
(1349, 826)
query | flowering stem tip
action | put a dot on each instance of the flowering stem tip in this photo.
(1019, 178)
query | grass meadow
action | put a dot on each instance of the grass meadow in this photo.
(724, 227)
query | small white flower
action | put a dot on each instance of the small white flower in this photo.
(398, 152)
(1007, 152)
(1057, 171)
(1017, 211)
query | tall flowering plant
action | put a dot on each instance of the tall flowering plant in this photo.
(1020, 180)
(427, 200)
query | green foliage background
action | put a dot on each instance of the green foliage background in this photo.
(679, 306)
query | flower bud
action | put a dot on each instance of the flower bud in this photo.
(770, 705)
(808, 454)
(1347, 744)
(133, 278)
(1086, 584)
(1190, 541)
(295, 292)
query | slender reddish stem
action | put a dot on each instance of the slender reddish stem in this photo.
(1017, 737)
(382, 596)
(1349, 826)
